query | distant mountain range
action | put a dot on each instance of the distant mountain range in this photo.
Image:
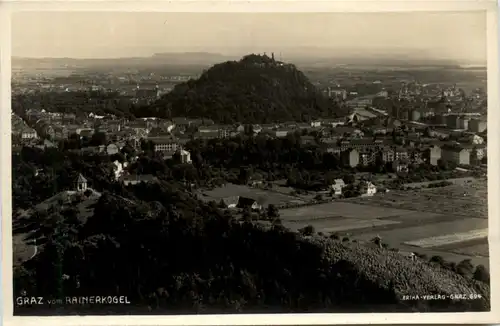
(188, 58)
(300, 58)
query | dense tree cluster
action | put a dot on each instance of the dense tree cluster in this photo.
(40, 174)
(255, 89)
(77, 102)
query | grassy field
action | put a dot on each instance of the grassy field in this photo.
(403, 234)
(444, 200)
(476, 247)
(341, 208)
(437, 221)
(229, 190)
(481, 250)
(447, 239)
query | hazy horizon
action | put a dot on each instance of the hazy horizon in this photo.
(458, 37)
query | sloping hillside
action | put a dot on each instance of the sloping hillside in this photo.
(27, 224)
(402, 276)
(174, 253)
(255, 89)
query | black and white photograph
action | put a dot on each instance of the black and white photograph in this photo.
(201, 163)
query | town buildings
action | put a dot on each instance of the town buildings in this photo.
(477, 125)
(456, 154)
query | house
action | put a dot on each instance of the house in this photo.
(138, 178)
(367, 157)
(28, 133)
(417, 156)
(207, 122)
(433, 154)
(208, 129)
(162, 144)
(112, 149)
(206, 135)
(159, 132)
(400, 153)
(477, 125)
(240, 128)
(268, 126)
(282, 132)
(332, 148)
(256, 129)
(379, 131)
(230, 202)
(388, 154)
(139, 127)
(196, 122)
(337, 186)
(225, 132)
(180, 123)
(463, 123)
(245, 202)
(400, 166)
(350, 157)
(118, 169)
(46, 144)
(453, 121)
(185, 156)
(316, 123)
(303, 125)
(81, 183)
(168, 155)
(332, 123)
(346, 131)
(307, 140)
(456, 154)
(290, 124)
(368, 189)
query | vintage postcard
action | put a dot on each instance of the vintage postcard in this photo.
(229, 166)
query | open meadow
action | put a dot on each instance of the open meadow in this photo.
(450, 221)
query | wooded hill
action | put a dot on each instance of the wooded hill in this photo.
(255, 89)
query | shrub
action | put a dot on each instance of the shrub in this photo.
(345, 239)
(308, 230)
(465, 268)
(334, 236)
(481, 274)
(422, 256)
(437, 259)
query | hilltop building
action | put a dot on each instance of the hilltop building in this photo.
(81, 183)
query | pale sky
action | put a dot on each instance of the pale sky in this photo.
(438, 35)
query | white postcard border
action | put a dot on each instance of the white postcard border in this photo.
(6, 8)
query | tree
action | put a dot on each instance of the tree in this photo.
(307, 231)
(247, 213)
(272, 211)
(482, 274)
(377, 241)
(437, 259)
(465, 268)
(443, 165)
(244, 176)
(98, 138)
(349, 178)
